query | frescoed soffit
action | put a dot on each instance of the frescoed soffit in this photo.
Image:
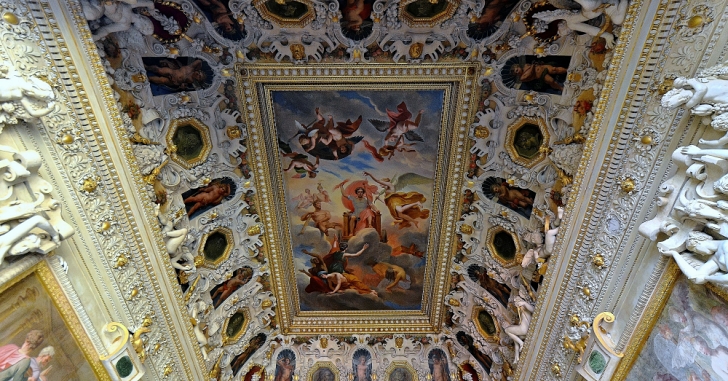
(392, 171)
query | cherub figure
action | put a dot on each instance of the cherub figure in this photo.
(299, 162)
(538, 72)
(327, 141)
(399, 125)
(174, 75)
(212, 194)
(304, 199)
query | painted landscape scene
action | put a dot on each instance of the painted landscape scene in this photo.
(358, 172)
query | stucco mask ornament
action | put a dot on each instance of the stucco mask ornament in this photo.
(298, 52)
(705, 95)
(22, 98)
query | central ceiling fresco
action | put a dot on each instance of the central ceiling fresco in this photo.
(356, 188)
(368, 186)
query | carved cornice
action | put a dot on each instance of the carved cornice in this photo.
(606, 225)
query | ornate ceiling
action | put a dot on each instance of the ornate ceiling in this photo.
(228, 107)
(354, 189)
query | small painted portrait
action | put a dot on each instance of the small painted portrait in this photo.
(200, 200)
(528, 140)
(223, 290)
(517, 199)
(254, 344)
(439, 370)
(285, 365)
(172, 75)
(545, 75)
(426, 9)
(356, 21)
(486, 322)
(323, 374)
(504, 245)
(400, 374)
(362, 365)
(235, 324)
(287, 9)
(219, 14)
(492, 17)
(479, 274)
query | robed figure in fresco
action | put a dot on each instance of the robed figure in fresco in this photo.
(358, 198)
(329, 274)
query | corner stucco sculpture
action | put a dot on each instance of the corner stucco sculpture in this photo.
(30, 219)
(22, 98)
(120, 13)
(692, 206)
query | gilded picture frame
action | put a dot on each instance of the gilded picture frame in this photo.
(314, 374)
(35, 300)
(260, 83)
(403, 366)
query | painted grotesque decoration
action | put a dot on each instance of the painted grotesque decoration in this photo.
(362, 365)
(171, 75)
(356, 18)
(219, 14)
(202, 199)
(493, 14)
(223, 291)
(516, 199)
(533, 73)
(285, 365)
(255, 344)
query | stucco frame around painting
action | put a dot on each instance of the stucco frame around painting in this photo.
(460, 86)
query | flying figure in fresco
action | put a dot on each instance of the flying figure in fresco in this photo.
(405, 208)
(326, 141)
(398, 128)
(299, 162)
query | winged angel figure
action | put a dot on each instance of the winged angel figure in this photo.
(398, 127)
(405, 207)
